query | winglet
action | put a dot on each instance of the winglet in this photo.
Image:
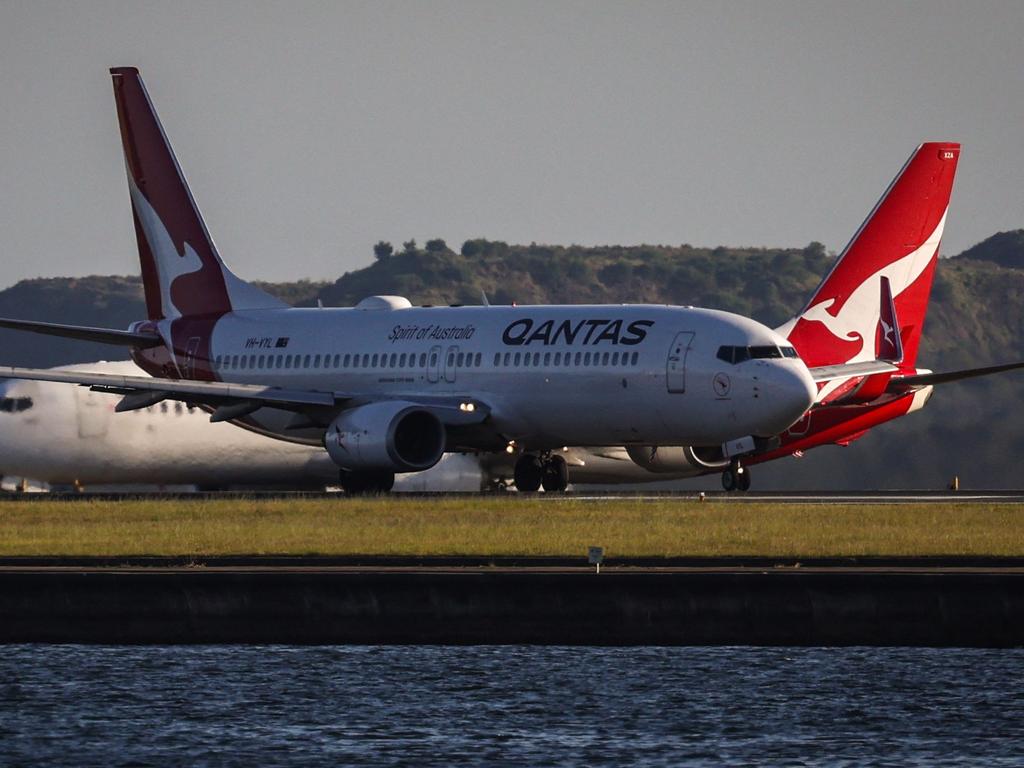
(889, 339)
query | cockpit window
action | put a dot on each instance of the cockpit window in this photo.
(735, 355)
(15, 404)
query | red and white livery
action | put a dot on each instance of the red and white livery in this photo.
(386, 387)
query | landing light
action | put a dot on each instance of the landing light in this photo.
(468, 407)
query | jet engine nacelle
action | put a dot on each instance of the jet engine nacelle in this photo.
(676, 458)
(391, 435)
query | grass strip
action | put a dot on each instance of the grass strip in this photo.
(506, 526)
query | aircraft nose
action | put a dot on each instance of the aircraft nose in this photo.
(790, 392)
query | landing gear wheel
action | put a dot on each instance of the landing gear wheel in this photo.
(528, 473)
(556, 475)
(736, 478)
(729, 480)
(364, 483)
(743, 479)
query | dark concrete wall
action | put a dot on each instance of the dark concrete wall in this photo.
(508, 606)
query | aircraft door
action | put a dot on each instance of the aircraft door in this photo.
(190, 356)
(94, 412)
(450, 364)
(675, 372)
(434, 365)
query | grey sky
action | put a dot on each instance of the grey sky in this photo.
(308, 131)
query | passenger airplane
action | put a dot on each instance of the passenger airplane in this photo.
(70, 437)
(386, 387)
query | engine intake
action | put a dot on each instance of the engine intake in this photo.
(392, 435)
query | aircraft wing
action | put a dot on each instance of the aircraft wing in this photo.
(84, 333)
(237, 400)
(926, 379)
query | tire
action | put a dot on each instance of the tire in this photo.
(556, 475)
(365, 483)
(729, 480)
(528, 473)
(743, 480)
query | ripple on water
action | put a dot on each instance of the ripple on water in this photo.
(231, 705)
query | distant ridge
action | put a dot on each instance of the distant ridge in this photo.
(1004, 248)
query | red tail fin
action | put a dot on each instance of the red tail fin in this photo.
(182, 272)
(898, 241)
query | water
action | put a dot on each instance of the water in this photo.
(496, 706)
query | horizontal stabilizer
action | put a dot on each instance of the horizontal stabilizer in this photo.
(927, 379)
(85, 333)
(850, 370)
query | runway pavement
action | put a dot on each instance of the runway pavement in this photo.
(794, 497)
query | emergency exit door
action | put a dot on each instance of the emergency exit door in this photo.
(675, 372)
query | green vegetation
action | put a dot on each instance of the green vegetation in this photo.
(506, 526)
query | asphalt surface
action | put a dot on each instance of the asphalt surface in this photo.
(795, 497)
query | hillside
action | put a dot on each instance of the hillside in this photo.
(1003, 248)
(971, 429)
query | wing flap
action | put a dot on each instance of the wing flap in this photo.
(200, 391)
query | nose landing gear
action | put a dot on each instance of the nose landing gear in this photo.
(533, 471)
(736, 477)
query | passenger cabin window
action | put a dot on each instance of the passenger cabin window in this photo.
(735, 355)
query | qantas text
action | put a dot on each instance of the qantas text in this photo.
(527, 331)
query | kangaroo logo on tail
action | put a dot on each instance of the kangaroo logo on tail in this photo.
(187, 285)
(898, 243)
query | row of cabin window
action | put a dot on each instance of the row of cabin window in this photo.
(394, 360)
(409, 360)
(558, 359)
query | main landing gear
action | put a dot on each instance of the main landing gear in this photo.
(365, 483)
(736, 477)
(548, 470)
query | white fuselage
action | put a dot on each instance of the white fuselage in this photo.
(67, 435)
(550, 375)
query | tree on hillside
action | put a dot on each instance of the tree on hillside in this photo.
(383, 250)
(814, 249)
(409, 246)
(437, 245)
